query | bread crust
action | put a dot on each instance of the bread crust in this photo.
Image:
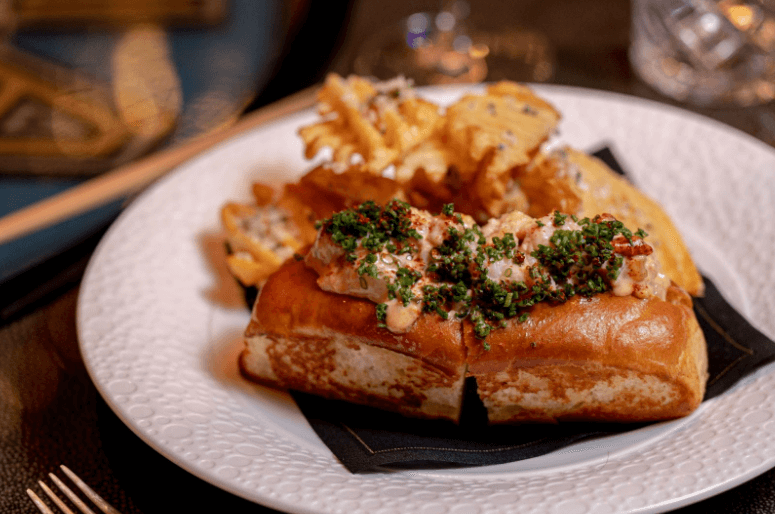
(301, 337)
(604, 358)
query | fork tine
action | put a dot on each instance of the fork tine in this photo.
(38, 502)
(70, 494)
(88, 491)
(54, 498)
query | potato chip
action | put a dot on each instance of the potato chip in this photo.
(248, 271)
(351, 187)
(334, 134)
(263, 194)
(498, 133)
(521, 93)
(322, 192)
(260, 238)
(507, 129)
(552, 183)
(431, 156)
(482, 154)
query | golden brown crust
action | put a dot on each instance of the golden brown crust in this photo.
(600, 358)
(604, 358)
(291, 303)
(356, 372)
(301, 337)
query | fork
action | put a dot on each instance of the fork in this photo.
(88, 491)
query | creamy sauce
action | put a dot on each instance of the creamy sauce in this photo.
(641, 277)
(339, 275)
(272, 227)
(638, 273)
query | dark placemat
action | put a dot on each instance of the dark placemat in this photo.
(735, 348)
(363, 438)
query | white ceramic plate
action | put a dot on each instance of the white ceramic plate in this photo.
(160, 323)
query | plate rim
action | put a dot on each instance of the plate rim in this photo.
(161, 184)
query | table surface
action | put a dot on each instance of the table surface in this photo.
(51, 413)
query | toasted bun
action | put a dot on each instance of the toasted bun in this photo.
(301, 337)
(604, 358)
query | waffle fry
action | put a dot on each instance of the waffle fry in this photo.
(482, 154)
(378, 121)
(552, 183)
(496, 134)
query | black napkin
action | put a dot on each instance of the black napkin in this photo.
(363, 438)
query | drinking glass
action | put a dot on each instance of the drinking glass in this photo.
(706, 52)
(444, 47)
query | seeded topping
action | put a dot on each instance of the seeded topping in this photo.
(271, 227)
(409, 261)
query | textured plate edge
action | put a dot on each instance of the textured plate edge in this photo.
(569, 90)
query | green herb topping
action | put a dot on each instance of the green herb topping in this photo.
(373, 226)
(455, 279)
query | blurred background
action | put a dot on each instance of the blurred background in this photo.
(87, 86)
(585, 43)
(90, 84)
